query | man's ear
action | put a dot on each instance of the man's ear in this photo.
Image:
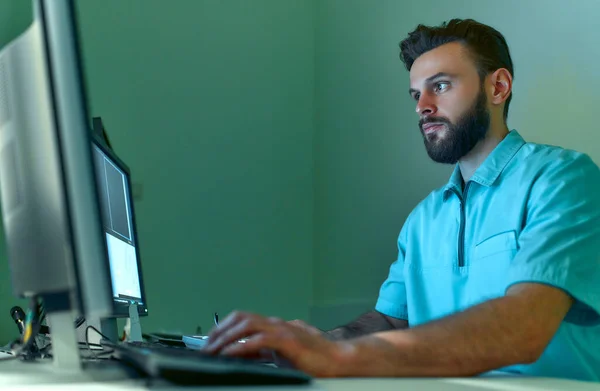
(501, 81)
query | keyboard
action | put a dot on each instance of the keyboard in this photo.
(151, 344)
(190, 367)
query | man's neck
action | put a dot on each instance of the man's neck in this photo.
(470, 162)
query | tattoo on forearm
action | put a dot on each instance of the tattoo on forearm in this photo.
(368, 323)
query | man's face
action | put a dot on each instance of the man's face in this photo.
(451, 102)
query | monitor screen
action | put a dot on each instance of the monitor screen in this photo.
(114, 189)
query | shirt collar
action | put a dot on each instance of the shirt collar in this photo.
(492, 166)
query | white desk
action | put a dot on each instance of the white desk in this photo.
(343, 385)
(16, 375)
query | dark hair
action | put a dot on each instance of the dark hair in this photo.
(487, 46)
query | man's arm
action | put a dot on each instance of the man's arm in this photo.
(506, 331)
(367, 323)
(510, 330)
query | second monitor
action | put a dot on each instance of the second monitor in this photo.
(118, 220)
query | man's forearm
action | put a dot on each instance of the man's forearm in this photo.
(368, 323)
(489, 336)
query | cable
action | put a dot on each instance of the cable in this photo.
(32, 325)
(28, 348)
(87, 329)
(94, 355)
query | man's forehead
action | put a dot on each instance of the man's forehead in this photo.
(451, 58)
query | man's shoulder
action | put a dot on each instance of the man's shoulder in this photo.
(543, 156)
(549, 167)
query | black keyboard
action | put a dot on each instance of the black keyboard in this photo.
(191, 367)
(153, 344)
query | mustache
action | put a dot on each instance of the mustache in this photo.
(432, 120)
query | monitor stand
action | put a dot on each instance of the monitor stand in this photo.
(108, 327)
(135, 328)
(65, 349)
(67, 364)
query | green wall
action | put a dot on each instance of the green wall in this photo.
(210, 103)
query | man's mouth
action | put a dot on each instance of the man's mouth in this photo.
(431, 128)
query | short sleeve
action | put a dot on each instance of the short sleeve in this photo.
(560, 242)
(392, 300)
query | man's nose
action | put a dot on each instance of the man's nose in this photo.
(426, 105)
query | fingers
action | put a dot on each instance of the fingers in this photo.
(263, 355)
(232, 334)
(235, 319)
(235, 327)
(271, 346)
(257, 345)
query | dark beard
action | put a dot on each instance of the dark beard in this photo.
(460, 138)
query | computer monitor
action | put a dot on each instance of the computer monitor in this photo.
(118, 218)
(50, 202)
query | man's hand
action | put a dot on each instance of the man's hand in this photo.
(301, 345)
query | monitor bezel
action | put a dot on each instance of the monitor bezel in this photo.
(121, 310)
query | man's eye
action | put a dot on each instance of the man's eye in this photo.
(441, 86)
(416, 96)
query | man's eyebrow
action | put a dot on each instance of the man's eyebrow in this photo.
(438, 75)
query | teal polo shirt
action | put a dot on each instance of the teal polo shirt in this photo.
(530, 213)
